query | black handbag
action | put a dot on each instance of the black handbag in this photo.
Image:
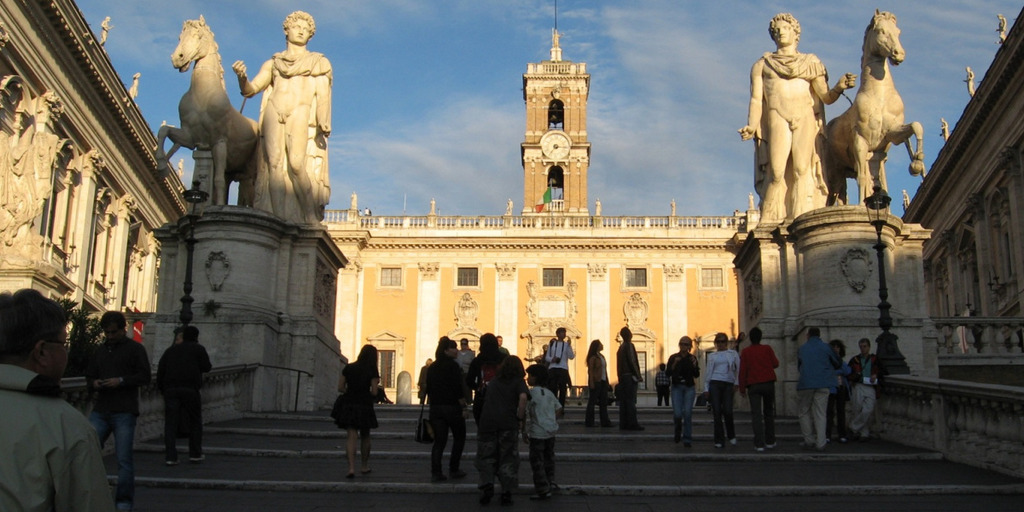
(424, 430)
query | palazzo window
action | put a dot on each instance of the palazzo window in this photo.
(553, 277)
(391, 277)
(468, 277)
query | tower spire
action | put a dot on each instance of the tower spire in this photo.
(556, 51)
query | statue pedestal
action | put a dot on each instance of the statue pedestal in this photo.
(265, 292)
(821, 271)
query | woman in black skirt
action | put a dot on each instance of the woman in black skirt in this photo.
(358, 385)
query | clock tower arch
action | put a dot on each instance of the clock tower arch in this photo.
(555, 149)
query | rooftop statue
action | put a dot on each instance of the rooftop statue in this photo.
(970, 81)
(295, 121)
(208, 120)
(786, 119)
(133, 91)
(944, 127)
(1002, 29)
(105, 27)
(859, 139)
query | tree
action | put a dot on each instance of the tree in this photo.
(84, 338)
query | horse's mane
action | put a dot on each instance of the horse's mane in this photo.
(201, 26)
(879, 16)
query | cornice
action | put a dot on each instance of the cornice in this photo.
(604, 245)
(91, 59)
(1001, 79)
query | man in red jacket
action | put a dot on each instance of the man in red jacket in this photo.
(864, 380)
(757, 377)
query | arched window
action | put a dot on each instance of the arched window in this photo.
(556, 115)
(556, 181)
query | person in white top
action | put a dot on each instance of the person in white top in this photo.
(557, 356)
(719, 380)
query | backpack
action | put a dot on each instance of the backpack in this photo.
(487, 373)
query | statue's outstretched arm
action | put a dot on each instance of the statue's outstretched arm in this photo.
(829, 96)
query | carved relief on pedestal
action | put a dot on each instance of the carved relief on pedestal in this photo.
(217, 269)
(856, 267)
(506, 271)
(325, 291)
(753, 294)
(429, 270)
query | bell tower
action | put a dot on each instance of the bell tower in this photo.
(555, 150)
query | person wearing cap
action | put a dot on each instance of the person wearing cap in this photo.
(51, 456)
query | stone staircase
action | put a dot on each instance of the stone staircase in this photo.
(296, 461)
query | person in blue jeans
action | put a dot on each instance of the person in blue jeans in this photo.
(683, 371)
(720, 380)
(117, 370)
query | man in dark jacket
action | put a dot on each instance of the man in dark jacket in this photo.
(117, 370)
(179, 376)
(628, 368)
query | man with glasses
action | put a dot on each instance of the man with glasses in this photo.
(51, 460)
(116, 372)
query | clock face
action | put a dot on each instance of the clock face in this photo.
(555, 145)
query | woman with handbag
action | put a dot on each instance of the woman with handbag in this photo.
(358, 384)
(446, 390)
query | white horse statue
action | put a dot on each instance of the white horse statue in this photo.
(208, 119)
(859, 139)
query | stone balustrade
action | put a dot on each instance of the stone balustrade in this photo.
(351, 219)
(226, 394)
(977, 424)
(974, 335)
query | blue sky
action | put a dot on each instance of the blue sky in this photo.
(428, 101)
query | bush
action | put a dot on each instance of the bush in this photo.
(84, 338)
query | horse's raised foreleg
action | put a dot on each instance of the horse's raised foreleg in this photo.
(179, 136)
(917, 159)
(901, 135)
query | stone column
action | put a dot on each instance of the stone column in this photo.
(428, 317)
(506, 305)
(598, 307)
(676, 324)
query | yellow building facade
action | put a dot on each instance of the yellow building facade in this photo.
(413, 279)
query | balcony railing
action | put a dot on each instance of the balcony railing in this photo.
(973, 335)
(976, 424)
(351, 219)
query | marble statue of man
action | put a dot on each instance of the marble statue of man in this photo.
(105, 27)
(970, 81)
(295, 121)
(787, 120)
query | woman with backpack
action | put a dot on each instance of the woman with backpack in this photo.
(483, 368)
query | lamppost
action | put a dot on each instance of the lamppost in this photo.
(887, 348)
(195, 197)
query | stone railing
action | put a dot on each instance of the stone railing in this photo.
(227, 392)
(977, 424)
(975, 335)
(352, 219)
